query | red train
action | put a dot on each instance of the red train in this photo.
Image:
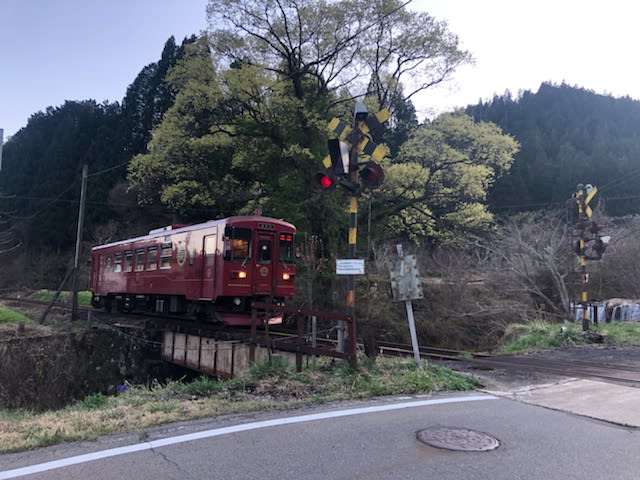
(214, 269)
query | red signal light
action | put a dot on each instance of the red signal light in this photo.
(326, 180)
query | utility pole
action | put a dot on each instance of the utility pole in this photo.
(76, 261)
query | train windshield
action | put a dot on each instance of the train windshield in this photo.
(287, 248)
(237, 244)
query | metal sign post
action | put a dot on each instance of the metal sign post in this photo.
(406, 286)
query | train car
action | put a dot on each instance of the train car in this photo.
(213, 270)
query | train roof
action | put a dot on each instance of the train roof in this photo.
(181, 228)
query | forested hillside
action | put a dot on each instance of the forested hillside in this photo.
(567, 135)
(42, 163)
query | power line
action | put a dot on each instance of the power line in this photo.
(123, 164)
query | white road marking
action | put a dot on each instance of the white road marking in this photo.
(138, 447)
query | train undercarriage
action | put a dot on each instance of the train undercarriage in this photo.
(232, 311)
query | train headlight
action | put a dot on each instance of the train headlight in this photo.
(237, 301)
(239, 275)
(287, 276)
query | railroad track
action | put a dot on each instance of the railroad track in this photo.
(620, 374)
(628, 375)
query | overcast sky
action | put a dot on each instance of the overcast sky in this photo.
(57, 50)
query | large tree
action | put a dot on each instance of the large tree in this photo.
(277, 70)
(339, 45)
(436, 188)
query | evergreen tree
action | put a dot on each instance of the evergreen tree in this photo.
(148, 97)
(568, 135)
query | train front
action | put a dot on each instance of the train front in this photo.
(259, 264)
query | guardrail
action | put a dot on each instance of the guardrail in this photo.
(261, 310)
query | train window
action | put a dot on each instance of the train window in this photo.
(117, 262)
(139, 259)
(264, 251)
(237, 244)
(128, 260)
(152, 258)
(210, 249)
(165, 255)
(287, 248)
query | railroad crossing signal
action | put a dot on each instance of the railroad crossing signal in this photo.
(338, 159)
(326, 180)
(344, 150)
(371, 175)
(584, 194)
(590, 245)
(367, 125)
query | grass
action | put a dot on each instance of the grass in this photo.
(84, 297)
(8, 315)
(267, 386)
(621, 333)
(538, 335)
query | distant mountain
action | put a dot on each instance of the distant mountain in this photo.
(568, 135)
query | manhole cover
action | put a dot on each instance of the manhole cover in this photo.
(459, 439)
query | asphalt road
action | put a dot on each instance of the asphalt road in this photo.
(356, 440)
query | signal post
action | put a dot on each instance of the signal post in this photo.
(342, 166)
(590, 245)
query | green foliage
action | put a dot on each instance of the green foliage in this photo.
(437, 186)
(391, 376)
(11, 316)
(540, 335)
(620, 333)
(275, 367)
(95, 401)
(42, 166)
(44, 295)
(568, 135)
(200, 386)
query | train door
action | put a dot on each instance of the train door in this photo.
(209, 244)
(265, 264)
(97, 264)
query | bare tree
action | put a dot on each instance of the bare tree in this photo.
(534, 253)
(337, 45)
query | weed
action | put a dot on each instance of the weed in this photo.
(202, 386)
(267, 385)
(621, 333)
(540, 335)
(95, 401)
(276, 366)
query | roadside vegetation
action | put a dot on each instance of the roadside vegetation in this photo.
(267, 386)
(44, 295)
(8, 315)
(540, 335)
